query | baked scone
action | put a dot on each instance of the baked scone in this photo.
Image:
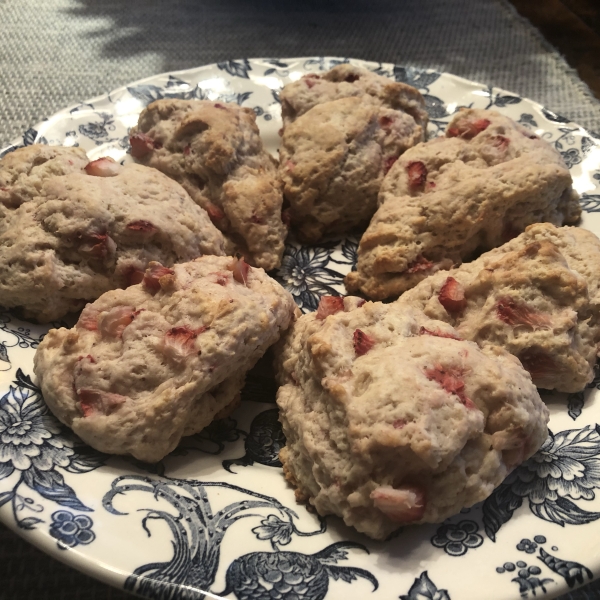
(538, 297)
(383, 446)
(346, 81)
(215, 152)
(71, 229)
(447, 199)
(146, 365)
(342, 132)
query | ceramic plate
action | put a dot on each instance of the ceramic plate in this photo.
(216, 517)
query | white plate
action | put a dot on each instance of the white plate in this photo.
(190, 525)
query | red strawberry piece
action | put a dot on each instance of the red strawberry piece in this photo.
(538, 363)
(97, 401)
(329, 305)
(439, 333)
(221, 278)
(113, 323)
(399, 423)
(153, 276)
(87, 357)
(468, 129)
(180, 342)
(431, 185)
(362, 342)
(88, 319)
(385, 121)
(214, 212)
(352, 78)
(405, 504)
(219, 105)
(141, 145)
(451, 380)
(417, 174)
(452, 296)
(516, 313)
(389, 163)
(240, 270)
(142, 227)
(97, 245)
(419, 264)
(187, 150)
(310, 79)
(133, 275)
(103, 167)
(500, 141)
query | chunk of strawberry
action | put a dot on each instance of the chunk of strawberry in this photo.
(516, 313)
(142, 226)
(451, 380)
(499, 141)
(452, 296)
(329, 305)
(385, 121)
(419, 264)
(141, 145)
(468, 129)
(153, 275)
(113, 323)
(417, 174)
(352, 78)
(214, 212)
(133, 275)
(538, 363)
(88, 319)
(405, 504)
(97, 245)
(439, 333)
(389, 163)
(362, 342)
(103, 167)
(180, 342)
(240, 270)
(96, 401)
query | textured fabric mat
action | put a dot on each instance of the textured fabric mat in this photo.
(59, 52)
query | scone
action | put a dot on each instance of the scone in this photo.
(392, 419)
(215, 152)
(343, 131)
(146, 365)
(71, 229)
(538, 297)
(452, 197)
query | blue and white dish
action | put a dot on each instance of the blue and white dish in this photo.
(216, 518)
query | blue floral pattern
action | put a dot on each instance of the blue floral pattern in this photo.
(44, 470)
(34, 449)
(566, 468)
(71, 530)
(457, 538)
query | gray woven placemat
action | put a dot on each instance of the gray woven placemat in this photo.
(58, 52)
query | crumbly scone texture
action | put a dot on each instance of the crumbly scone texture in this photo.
(333, 160)
(145, 365)
(346, 81)
(73, 236)
(215, 152)
(451, 197)
(538, 297)
(383, 446)
(342, 132)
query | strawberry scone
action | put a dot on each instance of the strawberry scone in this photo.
(452, 197)
(70, 233)
(213, 149)
(146, 365)
(538, 297)
(343, 130)
(383, 446)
